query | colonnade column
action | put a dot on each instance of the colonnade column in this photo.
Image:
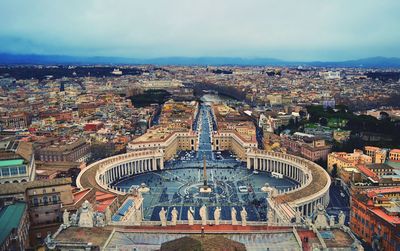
(135, 171)
(161, 163)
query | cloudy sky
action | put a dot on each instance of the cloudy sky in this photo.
(284, 29)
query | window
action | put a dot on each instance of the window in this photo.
(14, 171)
(22, 169)
(5, 171)
(35, 202)
(45, 200)
(55, 199)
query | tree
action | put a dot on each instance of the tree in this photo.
(321, 162)
(302, 114)
(323, 121)
(334, 171)
(384, 116)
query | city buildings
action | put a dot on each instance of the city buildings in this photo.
(236, 132)
(342, 160)
(174, 130)
(316, 150)
(17, 162)
(76, 150)
(14, 222)
(43, 200)
(81, 125)
(375, 217)
(394, 155)
(378, 155)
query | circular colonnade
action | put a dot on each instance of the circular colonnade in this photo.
(313, 188)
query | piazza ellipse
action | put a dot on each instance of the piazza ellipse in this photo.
(294, 187)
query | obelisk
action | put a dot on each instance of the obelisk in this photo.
(205, 188)
(204, 170)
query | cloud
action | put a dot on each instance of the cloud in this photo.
(288, 29)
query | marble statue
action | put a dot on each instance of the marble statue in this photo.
(243, 215)
(190, 216)
(233, 216)
(99, 220)
(309, 222)
(137, 214)
(270, 216)
(132, 218)
(217, 215)
(163, 219)
(321, 220)
(50, 242)
(108, 215)
(66, 221)
(86, 215)
(331, 221)
(74, 219)
(203, 215)
(342, 218)
(174, 218)
(298, 217)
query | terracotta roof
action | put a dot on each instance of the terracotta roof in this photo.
(367, 172)
(389, 218)
(373, 192)
(25, 149)
(395, 151)
(103, 200)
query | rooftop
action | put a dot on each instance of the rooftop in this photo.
(96, 236)
(319, 180)
(367, 172)
(395, 151)
(393, 219)
(17, 188)
(69, 146)
(10, 218)
(11, 162)
(337, 238)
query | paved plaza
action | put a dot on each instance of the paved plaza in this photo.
(178, 185)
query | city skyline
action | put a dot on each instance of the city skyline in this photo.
(310, 31)
(213, 125)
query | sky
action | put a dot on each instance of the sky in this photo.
(305, 30)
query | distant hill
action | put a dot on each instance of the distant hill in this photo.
(380, 62)
(15, 59)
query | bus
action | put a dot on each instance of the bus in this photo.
(243, 189)
(277, 175)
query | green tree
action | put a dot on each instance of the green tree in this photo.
(334, 171)
(321, 162)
